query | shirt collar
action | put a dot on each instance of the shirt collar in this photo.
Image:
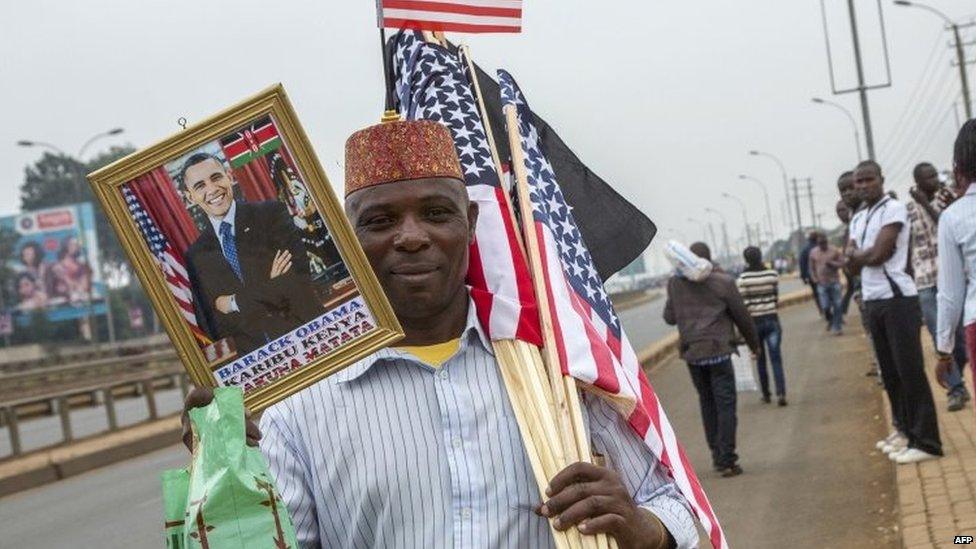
(229, 217)
(472, 334)
(971, 189)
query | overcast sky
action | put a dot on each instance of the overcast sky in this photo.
(663, 99)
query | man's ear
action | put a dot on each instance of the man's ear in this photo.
(472, 220)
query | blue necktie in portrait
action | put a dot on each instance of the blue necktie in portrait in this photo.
(230, 248)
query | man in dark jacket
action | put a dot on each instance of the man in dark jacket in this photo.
(706, 312)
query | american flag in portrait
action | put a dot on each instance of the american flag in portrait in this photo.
(170, 262)
(433, 84)
(590, 342)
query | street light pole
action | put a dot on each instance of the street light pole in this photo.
(857, 135)
(725, 231)
(701, 226)
(81, 151)
(745, 217)
(960, 53)
(786, 187)
(769, 211)
(29, 143)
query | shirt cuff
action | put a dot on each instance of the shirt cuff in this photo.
(946, 342)
(678, 520)
(233, 304)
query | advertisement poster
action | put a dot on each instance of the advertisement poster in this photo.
(52, 266)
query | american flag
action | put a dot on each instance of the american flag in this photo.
(452, 15)
(169, 260)
(432, 84)
(591, 344)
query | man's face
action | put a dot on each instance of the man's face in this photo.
(416, 236)
(822, 242)
(927, 179)
(209, 186)
(845, 185)
(843, 213)
(869, 183)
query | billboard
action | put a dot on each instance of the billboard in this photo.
(52, 266)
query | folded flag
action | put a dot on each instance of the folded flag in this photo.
(478, 16)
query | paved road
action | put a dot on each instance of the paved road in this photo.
(787, 498)
(812, 477)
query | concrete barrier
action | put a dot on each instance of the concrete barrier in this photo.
(39, 468)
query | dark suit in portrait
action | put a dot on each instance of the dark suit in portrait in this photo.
(267, 307)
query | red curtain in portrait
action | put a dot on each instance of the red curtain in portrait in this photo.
(158, 194)
(255, 180)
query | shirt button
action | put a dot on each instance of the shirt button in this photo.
(442, 374)
(456, 442)
(466, 513)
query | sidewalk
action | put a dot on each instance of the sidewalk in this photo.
(937, 499)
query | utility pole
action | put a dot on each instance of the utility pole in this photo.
(961, 59)
(796, 201)
(960, 51)
(861, 88)
(813, 214)
(725, 239)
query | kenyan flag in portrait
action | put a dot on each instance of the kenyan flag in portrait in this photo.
(254, 140)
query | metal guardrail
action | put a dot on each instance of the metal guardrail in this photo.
(61, 400)
(56, 374)
(93, 352)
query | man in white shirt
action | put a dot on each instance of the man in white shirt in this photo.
(957, 257)
(878, 247)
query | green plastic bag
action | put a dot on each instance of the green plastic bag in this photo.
(227, 498)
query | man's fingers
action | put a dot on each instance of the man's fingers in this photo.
(610, 523)
(198, 397)
(577, 472)
(253, 432)
(572, 494)
(589, 508)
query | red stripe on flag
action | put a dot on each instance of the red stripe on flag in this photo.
(476, 278)
(446, 26)
(606, 376)
(446, 7)
(528, 328)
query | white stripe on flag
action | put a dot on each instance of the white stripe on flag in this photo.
(440, 17)
(496, 262)
(176, 264)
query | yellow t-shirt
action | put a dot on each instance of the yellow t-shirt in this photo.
(436, 354)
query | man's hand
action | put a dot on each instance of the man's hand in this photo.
(595, 500)
(223, 304)
(918, 195)
(942, 368)
(281, 263)
(200, 397)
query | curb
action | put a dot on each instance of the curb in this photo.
(656, 353)
(45, 466)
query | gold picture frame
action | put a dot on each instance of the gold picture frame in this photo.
(215, 336)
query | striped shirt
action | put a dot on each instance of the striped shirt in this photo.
(391, 452)
(957, 269)
(760, 291)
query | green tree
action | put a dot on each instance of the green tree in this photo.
(57, 180)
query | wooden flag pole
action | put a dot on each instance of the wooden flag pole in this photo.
(566, 395)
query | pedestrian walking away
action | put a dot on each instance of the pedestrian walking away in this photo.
(759, 287)
(879, 248)
(957, 261)
(706, 307)
(825, 264)
(929, 199)
(804, 261)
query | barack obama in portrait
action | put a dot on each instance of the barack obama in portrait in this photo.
(248, 269)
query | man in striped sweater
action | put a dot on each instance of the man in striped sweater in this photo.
(759, 287)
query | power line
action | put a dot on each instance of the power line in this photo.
(935, 85)
(924, 139)
(933, 104)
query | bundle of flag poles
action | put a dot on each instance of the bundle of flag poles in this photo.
(537, 291)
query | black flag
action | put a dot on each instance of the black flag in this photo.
(615, 231)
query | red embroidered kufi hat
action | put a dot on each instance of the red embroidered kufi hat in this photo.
(400, 151)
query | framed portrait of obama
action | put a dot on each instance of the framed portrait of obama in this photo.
(235, 233)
